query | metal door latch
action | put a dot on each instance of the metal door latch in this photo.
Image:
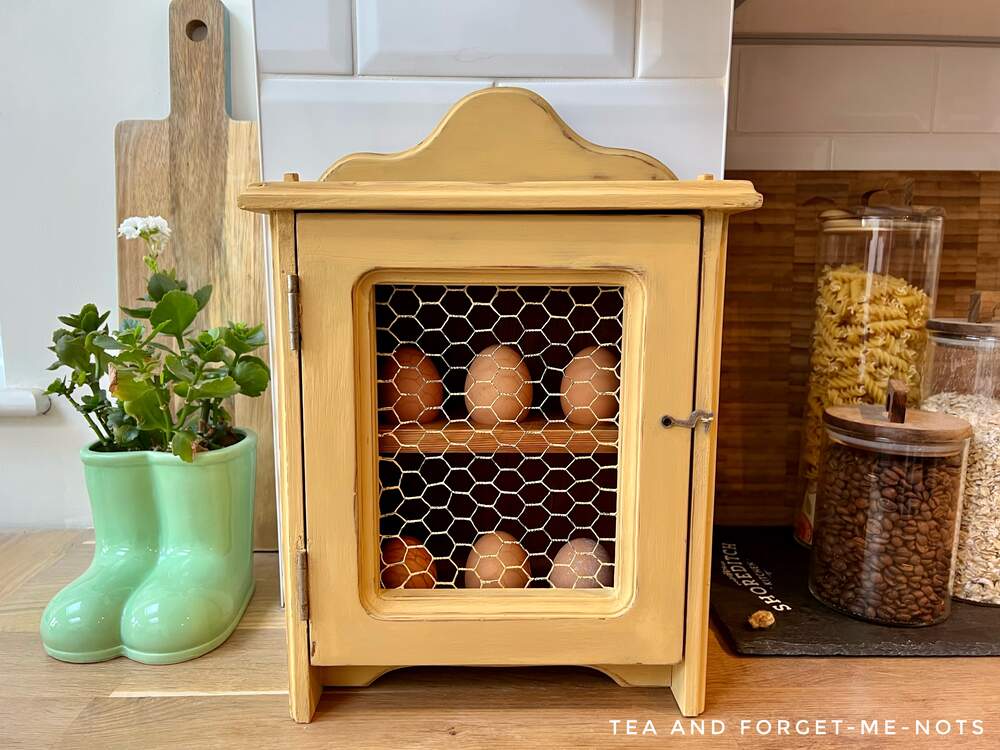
(696, 417)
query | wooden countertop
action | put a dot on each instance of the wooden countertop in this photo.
(236, 696)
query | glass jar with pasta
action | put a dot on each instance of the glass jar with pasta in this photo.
(876, 280)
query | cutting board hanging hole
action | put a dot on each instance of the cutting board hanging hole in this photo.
(196, 30)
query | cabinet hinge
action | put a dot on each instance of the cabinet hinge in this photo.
(302, 583)
(292, 293)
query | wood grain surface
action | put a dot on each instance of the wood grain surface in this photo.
(189, 168)
(542, 195)
(769, 314)
(530, 436)
(237, 694)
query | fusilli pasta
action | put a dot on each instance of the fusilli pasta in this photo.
(869, 328)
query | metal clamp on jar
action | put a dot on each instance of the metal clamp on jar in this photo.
(888, 501)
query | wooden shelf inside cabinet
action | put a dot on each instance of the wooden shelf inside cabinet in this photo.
(530, 436)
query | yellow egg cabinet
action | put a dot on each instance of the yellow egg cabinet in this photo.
(497, 361)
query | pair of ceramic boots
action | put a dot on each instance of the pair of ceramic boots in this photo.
(173, 561)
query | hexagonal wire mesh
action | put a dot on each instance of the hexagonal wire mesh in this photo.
(498, 411)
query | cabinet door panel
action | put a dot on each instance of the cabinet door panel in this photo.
(369, 282)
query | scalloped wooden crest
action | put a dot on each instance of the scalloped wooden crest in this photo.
(501, 135)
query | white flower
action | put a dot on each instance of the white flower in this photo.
(129, 228)
(153, 228)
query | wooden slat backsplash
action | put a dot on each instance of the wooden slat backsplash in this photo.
(769, 312)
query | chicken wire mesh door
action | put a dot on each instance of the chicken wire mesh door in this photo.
(498, 413)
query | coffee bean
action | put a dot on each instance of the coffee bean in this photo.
(884, 533)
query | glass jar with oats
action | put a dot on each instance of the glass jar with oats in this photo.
(963, 379)
(876, 280)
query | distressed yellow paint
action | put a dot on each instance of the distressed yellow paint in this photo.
(501, 192)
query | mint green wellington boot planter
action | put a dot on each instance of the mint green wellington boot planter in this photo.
(203, 579)
(82, 623)
(173, 564)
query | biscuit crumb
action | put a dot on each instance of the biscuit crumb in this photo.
(761, 619)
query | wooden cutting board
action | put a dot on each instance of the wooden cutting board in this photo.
(189, 169)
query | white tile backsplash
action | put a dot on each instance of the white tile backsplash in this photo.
(864, 107)
(916, 151)
(307, 36)
(680, 122)
(323, 95)
(555, 38)
(684, 38)
(835, 88)
(781, 151)
(310, 122)
(968, 93)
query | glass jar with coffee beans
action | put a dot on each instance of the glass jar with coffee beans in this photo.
(888, 502)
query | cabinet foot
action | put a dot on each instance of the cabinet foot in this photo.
(637, 675)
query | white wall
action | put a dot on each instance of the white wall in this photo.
(69, 71)
(377, 75)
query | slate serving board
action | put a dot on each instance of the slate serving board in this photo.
(763, 568)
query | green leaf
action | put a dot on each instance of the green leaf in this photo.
(126, 434)
(127, 387)
(103, 341)
(72, 352)
(158, 285)
(90, 319)
(207, 345)
(147, 411)
(72, 321)
(252, 376)
(242, 338)
(133, 357)
(182, 445)
(175, 312)
(56, 387)
(142, 313)
(218, 388)
(176, 367)
(203, 295)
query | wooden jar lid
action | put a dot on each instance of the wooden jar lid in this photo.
(879, 219)
(871, 422)
(895, 423)
(963, 327)
(983, 320)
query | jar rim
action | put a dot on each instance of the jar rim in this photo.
(960, 327)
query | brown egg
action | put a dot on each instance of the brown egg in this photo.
(497, 561)
(581, 564)
(407, 564)
(589, 391)
(498, 386)
(410, 384)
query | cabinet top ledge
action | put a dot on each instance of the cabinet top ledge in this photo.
(729, 196)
